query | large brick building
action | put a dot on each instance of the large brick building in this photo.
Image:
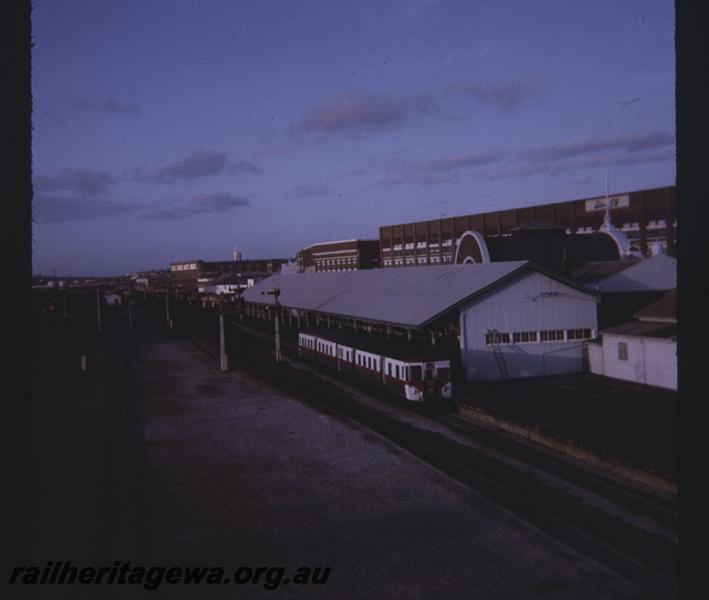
(345, 255)
(645, 217)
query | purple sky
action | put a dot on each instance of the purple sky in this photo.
(169, 130)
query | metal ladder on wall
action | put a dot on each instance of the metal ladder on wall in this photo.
(499, 355)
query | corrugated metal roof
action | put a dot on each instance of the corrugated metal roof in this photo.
(644, 329)
(664, 309)
(592, 272)
(656, 273)
(408, 297)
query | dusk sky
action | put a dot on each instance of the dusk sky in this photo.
(170, 130)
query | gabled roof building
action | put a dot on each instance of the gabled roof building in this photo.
(506, 319)
(643, 350)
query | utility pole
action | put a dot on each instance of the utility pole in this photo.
(277, 317)
(130, 313)
(167, 308)
(223, 359)
(98, 308)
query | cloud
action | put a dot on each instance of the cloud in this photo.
(219, 202)
(506, 97)
(355, 112)
(57, 209)
(455, 163)
(110, 106)
(574, 164)
(439, 171)
(613, 161)
(211, 203)
(310, 191)
(199, 164)
(84, 182)
(630, 142)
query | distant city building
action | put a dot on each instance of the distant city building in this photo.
(184, 275)
(151, 281)
(642, 220)
(289, 268)
(344, 255)
(230, 283)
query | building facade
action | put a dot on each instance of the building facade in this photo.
(643, 350)
(535, 325)
(344, 255)
(494, 321)
(185, 275)
(645, 217)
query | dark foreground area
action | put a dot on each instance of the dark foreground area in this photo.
(158, 458)
(629, 422)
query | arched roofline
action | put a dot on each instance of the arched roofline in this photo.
(478, 237)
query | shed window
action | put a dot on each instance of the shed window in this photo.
(553, 335)
(497, 338)
(578, 334)
(524, 336)
(622, 351)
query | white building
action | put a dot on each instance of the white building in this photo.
(533, 325)
(229, 283)
(512, 319)
(644, 350)
(114, 299)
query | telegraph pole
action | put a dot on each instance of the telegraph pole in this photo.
(167, 308)
(277, 314)
(98, 308)
(130, 313)
(223, 359)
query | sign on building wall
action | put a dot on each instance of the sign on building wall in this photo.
(614, 201)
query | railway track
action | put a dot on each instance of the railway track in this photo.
(565, 500)
(661, 509)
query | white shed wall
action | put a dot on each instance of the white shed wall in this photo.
(595, 358)
(651, 361)
(519, 306)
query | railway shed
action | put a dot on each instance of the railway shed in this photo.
(495, 320)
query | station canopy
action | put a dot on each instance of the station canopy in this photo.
(405, 297)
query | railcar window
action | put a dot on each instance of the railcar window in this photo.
(415, 373)
(444, 373)
(389, 369)
(397, 372)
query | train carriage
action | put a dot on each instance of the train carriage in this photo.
(420, 377)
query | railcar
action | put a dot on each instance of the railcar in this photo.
(417, 377)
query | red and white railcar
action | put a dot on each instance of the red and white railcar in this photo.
(417, 377)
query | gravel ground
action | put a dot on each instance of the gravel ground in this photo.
(238, 474)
